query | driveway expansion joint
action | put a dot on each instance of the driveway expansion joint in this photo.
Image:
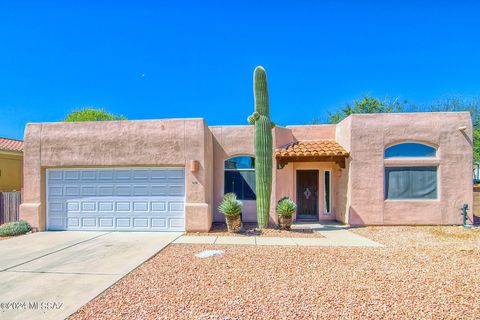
(68, 273)
(52, 252)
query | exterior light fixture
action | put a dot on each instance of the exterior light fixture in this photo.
(194, 165)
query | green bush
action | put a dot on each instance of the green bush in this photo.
(230, 205)
(14, 228)
(90, 114)
(286, 207)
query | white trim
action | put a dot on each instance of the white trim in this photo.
(329, 212)
(411, 162)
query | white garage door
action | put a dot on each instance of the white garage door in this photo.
(130, 199)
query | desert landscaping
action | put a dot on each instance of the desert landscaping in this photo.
(420, 273)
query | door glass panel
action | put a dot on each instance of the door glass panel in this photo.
(327, 193)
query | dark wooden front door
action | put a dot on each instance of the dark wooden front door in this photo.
(307, 194)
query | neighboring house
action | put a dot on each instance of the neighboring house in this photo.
(11, 165)
(370, 169)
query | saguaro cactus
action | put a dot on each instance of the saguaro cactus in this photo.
(263, 145)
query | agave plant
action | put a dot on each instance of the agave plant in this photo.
(286, 207)
(230, 205)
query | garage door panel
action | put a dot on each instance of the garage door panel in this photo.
(116, 199)
(140, 206)
(56, 222)
(88, 190)
(105, 206)
(88, 175)
(73, 222)
(106, 223)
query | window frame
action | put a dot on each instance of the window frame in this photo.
(385, 184)
(412, 161)
(239, 170)
(432, 146)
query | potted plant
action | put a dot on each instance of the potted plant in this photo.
(231, 207)
(285, 210)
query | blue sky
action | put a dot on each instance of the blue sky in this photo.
(197, 58)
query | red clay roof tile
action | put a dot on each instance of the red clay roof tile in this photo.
(11, 145)
(311, 148)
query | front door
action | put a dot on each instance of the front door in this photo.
(307, 194)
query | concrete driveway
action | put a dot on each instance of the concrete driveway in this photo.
(49, 275)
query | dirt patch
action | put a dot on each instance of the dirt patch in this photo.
(417, 275)
(422, 236)
(455, 233)
(4, 238)
(250, 230)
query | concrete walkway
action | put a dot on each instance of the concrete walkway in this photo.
(49, 275)
(334, 235)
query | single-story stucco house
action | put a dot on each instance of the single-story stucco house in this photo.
(170, 175)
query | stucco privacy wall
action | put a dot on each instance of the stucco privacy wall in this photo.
(313, 132)
(343, 137)
(230, 141)
(174, 143)
(369, 136)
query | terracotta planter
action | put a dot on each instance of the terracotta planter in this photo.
(234, 224)
(284, 222)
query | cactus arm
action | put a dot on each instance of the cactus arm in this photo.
(253, 118)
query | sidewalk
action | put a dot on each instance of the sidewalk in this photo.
(334, 236)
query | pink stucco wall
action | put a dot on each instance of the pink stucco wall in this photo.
(230, 141)
(370, 134)
(343, 137)
(172, 142)
(313, 132)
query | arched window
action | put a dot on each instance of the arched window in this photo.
(408, 180)
(240, 177)
(410, 150)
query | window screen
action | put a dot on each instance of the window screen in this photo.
(411, 182)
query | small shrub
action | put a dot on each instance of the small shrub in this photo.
(15, 228)
(230, 205)
(286, 207)
(90, 114)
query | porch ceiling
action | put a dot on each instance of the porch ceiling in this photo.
(311, 151)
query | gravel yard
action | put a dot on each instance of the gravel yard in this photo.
(250, 229)
(421, 273)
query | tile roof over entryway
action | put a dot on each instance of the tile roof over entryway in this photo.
(311, 148)
(11, 145)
